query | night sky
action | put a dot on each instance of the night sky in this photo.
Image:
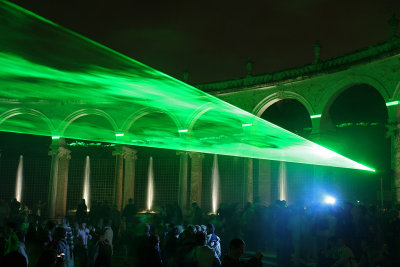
(214, 39)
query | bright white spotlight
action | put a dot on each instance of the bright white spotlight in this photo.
(330, 200)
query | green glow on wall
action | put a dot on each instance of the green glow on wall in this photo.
(392, 103)
(58, 83)
(316, 116)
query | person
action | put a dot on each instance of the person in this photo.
(15, 252)
(69, 237)
(81, 211)
(81, 246)
(196, 215)
(203, 255)
(13, 259)
(49, 258)
(170, 245)
(236, 250)
(213, 241)
(37, 210)
(104, 252)
(129, 211)
(151, 254)
(60, 245)
(108, 233)
(345, 255)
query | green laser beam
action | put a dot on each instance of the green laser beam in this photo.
(58, 83)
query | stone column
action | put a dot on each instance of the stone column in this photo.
(183, 180)
(249, 182)
(264, 181)
(58, 185)
(130, 157)
(118, 176)
(196, 176)
(395, 157)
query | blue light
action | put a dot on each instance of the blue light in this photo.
(329, 200)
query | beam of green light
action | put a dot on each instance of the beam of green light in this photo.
(57, 83)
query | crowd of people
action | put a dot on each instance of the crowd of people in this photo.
(314, 235)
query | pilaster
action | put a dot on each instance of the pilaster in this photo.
(394, 135)
(264, 181)
(118, 176)
(249, 181)
(130, 157)
(183, 180)
(58, 186)
(196, 176)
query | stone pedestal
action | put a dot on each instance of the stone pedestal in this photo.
(58, 185)
(196, 176)
(183, 180)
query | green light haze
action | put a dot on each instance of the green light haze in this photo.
(57, 83)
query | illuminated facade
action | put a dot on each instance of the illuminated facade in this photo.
(64, 86)
(318, 87)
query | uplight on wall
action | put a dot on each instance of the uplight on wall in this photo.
(316, 116)
(392, 103)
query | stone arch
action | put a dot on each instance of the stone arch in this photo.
(27, 111)
(85, 112)
(280, 95)
(275, 97)
(343, 85)
(192, 119)
(145, 111)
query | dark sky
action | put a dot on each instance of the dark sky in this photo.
(213, 39)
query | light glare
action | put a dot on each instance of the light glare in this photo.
(330, 200)
(316, 116)
(392, 103)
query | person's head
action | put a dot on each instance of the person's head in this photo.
(146, 229)
(210, 228)
(107, 222)
(50, 225)
(59, 233)
(11, 227)
(236, 248)
(65, 221)
(198, 228)
(154, 241)
(130, 201)
(174, 230)
(200, 238)
(83, 225)
(191, 228)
